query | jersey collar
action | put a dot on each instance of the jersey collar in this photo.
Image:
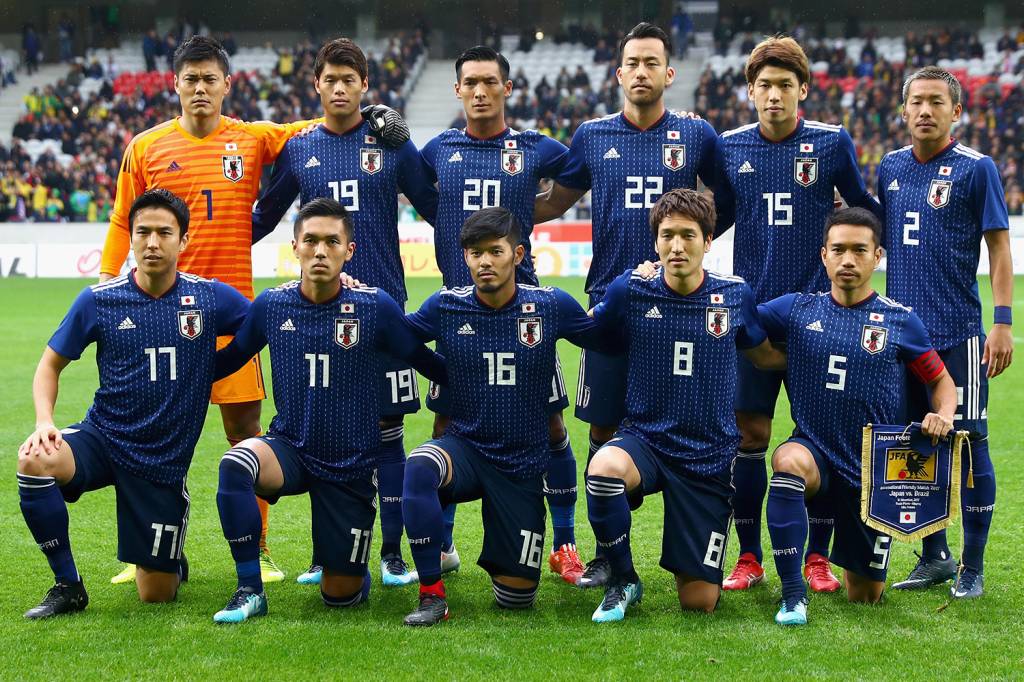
(131, 278)
(696, 292)
(486, 306)
(323, 127)
(221, 124)
(500, 135)
(952, 143)
(306, 299)
(796, 131)
(634, 126)
(870, 297)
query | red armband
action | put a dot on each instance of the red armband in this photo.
(927, 367)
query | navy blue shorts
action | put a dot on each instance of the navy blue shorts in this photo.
(152, 518)
(757, 390)
(601, 392)
(343, 513)
(512, 509)
(969, 375)
(698, 510)
(399, 389)
(856, 547)
(439, 402)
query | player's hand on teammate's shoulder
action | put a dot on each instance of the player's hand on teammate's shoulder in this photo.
(936, 426)
(350, 282)
(45, 440)
(648, 269)
(307, 130)
(387, 124)
(998, 349)
(682, 113)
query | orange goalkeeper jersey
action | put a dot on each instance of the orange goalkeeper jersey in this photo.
(218, 176)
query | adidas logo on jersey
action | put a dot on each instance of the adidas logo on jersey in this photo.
(288, 325)
(746, 167)
(466, 329)
(455, 157)
(893, 186)
(653, 313)
(173, 167)
(126, 324)
(312, 163)
(612, 153)
(815, 326)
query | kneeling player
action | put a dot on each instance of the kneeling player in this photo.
(155, 331)
(328, 346)
(846, 352)
(679, 436)
(499, 338)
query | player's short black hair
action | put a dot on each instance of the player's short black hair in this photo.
(854, 215)
(686, 203)
(482, 53)
(161, 198)
(646, 30)
(340, 52)
(937, 74)
(496, 222)
(200, 49)
(323, 207)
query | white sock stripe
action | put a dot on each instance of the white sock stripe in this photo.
(562, 445)
(246, 458)
(435, 455)
(601, 489)
(752, 455)
(244, 463)
(393, 433)
(26, 481)
(792, 485)
(506, 596)
(342, 602)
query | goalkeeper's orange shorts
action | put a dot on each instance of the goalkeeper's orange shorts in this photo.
(244, 386)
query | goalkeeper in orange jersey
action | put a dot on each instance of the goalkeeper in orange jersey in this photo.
(214, 163)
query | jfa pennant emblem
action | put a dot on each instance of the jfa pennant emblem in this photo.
(872, 339)
(530, 331)
(673, 156)
(234, 169)
(717, 322)
(938, 193)
(346, 332)
(371, 160)
(805, 170)
(190, 323)
(512, 161)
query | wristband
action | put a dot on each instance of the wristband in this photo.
(1003, 315)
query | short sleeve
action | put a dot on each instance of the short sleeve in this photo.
(610, 313)
(774, 316)
(725, 199)
(232, 308)
(916, 352)
(414, 181)
(429, 154)
(576, 174)
(751, 333)
(988, 202)
(78, 329)
(425, 322)
(706, 169)
(553, 157)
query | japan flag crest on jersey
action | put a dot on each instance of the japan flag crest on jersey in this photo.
(805, 171)
(371, 160)
(530, 331)
(234, 169)
(512, 161)
(938, 193)
(872, 338)
(190, 323)
(346, 332)
(673, 156)
(717, 322)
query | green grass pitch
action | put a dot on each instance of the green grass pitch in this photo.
(118, 637)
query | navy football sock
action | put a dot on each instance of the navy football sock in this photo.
(977, 504)
(787, 526)
(820, 523)
(46, 515)
(240, 515)
(390, 478)
(560, 491)
(935, 546)
(750, 479)
(425, 469)
(610, 518)
(447, 537)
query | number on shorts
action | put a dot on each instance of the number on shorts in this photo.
(360, 541)
(716, 550)
(533, 544)
(881, 551)
(158, 534)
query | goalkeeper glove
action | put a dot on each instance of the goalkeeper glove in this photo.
(387, 124)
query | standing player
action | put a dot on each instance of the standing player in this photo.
(488, 164)
(627, 160)
(328, 346)
(155, 331)
(941, 198)
(344, 159)
(499, 339)
(846, 351)
(679, 438)
(776, 182)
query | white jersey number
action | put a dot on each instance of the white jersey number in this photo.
(642, 192)
(780, 210)
(346, 192)
(501, 369)
(481, 194)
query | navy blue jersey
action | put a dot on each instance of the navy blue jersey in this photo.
(366, 177)
(500, 364)
(156, 359)
(472, 174)
(681, 381)
(779, 195)
(326, 360)
(628, 169)
(935, 215)
(845, 367)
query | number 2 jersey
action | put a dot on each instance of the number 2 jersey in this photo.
(779, 195)
(681, 352)
(845, 367)
(500, 367)
(627, 169)
(326, 361)
(936, 213)
(472, 174)
(156, 364)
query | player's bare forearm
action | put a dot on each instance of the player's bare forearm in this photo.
(554, 202)
(942, 392)
(999, 344)
(45, 438)
(766, 356)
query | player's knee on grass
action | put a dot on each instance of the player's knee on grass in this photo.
(862, 590)
(336, 589)
(241, 420)
(790, 458)
(514, 593)
(156, 587)
(755, 430)
(697, 595)
(440, 425)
